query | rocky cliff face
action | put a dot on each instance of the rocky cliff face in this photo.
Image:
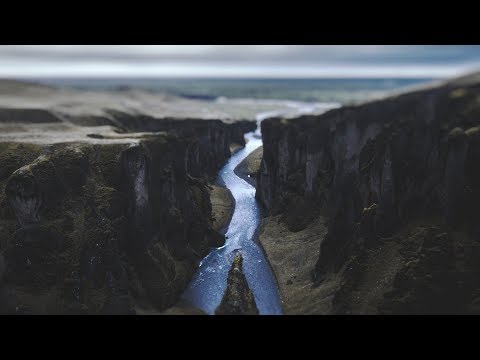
(397, 181)
(96, 219)
(212, 137)
(89, 228)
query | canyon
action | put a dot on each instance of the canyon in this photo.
(122, 202)
(103, 209)
(373, 207)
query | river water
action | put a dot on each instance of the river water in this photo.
(208, 284)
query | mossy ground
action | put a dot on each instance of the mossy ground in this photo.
(85, 252)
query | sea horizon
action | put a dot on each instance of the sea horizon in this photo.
(210, 88)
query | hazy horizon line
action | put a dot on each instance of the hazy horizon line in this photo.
(210, 77)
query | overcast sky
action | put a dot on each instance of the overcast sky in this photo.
(237, 60)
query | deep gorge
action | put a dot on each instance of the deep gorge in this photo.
(114, 204)
(109, 223)
(396, 183)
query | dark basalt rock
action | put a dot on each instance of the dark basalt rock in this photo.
(3, 266)
(238, 298)
(27, 116)
(88, 215)
(86, 228)
(91, 220)
(379, 172)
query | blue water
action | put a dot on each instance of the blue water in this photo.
(208, 284)
(311, 90)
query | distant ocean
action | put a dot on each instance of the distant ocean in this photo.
(306, 90)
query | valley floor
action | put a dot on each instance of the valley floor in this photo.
(292, 256)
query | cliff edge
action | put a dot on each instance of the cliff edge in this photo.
(397, 184)
(104, 197)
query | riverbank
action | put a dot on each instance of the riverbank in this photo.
(248, 168)
(209, 283)
(223, 205)
(292, 255)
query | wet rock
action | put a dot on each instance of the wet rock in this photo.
(238, 297)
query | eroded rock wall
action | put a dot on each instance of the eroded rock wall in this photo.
(213, 137)
(396, 175)
(94, 228)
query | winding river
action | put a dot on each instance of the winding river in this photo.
(207, 287)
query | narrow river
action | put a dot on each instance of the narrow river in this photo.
(209, 283)
(206, 289)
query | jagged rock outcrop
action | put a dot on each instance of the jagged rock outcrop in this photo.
(248, 168)
(238, 297)
(396, 179)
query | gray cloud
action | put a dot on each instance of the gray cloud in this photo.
(16, 60)
(295, 53)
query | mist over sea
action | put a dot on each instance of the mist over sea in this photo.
(306, 90)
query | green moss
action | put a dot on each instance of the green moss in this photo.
(238, 262)
(13, 156)
(108, 201)
(71, 164)
(371, 209)
(458, 93)
(473, 131)
(456, 134)
(84, 196)
(105, 164)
